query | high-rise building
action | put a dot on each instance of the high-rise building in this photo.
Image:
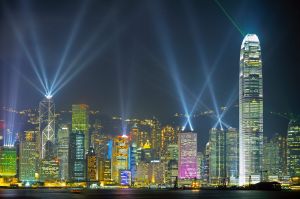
(232, 156)
(119, 156)
(46, 124)
(91, 166)
(250, 111)
(8, 161)
(49, 170)
(77, 156)
(29, 156)
(80, 121)
(293, 148)
(217, 163)
(187, 158)
(168, 136)
(63, 151)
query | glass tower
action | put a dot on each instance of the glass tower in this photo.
(80, 121)
(250, 111)
(293, 148)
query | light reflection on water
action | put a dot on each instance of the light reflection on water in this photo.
(143, 194)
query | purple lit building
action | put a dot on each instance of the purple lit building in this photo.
(187, 162)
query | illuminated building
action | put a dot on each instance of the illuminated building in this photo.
(232, 156)
(80, 121)
(29, 156)
(125, 178)
(77, 156)
(274, 162)
(133, 160)
(155, 137)
(134, 134)
(146, 152)
(119, 156)
(205, 177)
(157, 172)
(187, 159)
(200, 158)
(46, 124)
(217, 156)
(91, 166)
(63, 151)
(168, 136)
(250, 111)
(142, 174)
(49, 170)
(293, 148)
(8, 162)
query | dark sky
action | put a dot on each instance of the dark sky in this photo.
(128, 47)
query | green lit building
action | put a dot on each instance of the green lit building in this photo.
(63, 151)
(8, 162)
(29, 156)
(250, 111)
(80, 121)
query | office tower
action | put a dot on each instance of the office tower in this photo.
(80, 121)
(77, 156)
(168, 136)
(29, 156)
(63, 151)
(232, 156)
(171, 168)
(91, 166)
(293, 148)
(134, 134)
(155, 137)
(49, 170)
(200, 163)
(8, 161)
(119, 156)
(217, 156)
(125, 178)
(133, 161)
(157, 172)
(206, 179)
(250, 111)
(46, 124)
(187, 158)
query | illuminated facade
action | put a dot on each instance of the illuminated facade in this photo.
(46, 124)
(80, 121)
(187, 159)
(8, 161)
(168, 136)
(217, 156)
(232, 155)
(91, 166)
(63, 151)
(49, 170)
(125, 178)
(293, 148)
(250, 111)
(119, 156)
(29, 156)
(77, 164)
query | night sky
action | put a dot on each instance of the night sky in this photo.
(128, 47)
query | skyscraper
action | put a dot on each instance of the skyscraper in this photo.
(119, 156)
(46, 124)
(80, 121)
(63, 151)
(187, 161)
(8, 161)
(91, 166)
(250, 111)
(293, 148)
(29, 156)
(77, 157)
(232, 155)
(217, 156)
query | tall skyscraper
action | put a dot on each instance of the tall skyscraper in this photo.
(46, 124)
(293, 148)
(29, 156)
(77, 164)
(168, 136)
(250, 111)
(217, 156)
(80, 121)
(232, 155)
(8, 161)
(91, 166)
(63, 151)
(119, 156)
(187, 161)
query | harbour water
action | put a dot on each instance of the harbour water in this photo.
(145, 194)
